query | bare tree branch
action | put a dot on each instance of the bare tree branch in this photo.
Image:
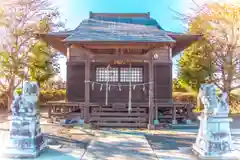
(21, 20)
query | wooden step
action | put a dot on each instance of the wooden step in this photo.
(114, 114)
(123, 125)
(141, 105)
(114, 119)
(170, 117)
(166, 105)
(118, 116)
(118, 109)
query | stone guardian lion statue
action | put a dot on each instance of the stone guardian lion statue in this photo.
(213, 105)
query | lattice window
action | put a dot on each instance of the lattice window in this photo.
(103, 75)
(131, 74)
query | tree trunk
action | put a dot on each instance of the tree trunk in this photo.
(227, 89)
(10, 94)
(10, 99)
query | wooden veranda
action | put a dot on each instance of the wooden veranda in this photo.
(100, 115)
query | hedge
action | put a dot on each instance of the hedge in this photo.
(192, 98)
(184, 97)
(50, 95)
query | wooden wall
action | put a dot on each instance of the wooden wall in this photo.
(163, 81)
(75, 81)
(76, 78)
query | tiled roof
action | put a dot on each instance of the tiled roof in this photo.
(128, 27)
(132, 20)
(136, 30)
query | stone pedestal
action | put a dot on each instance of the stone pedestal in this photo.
(26, 139)
(214, 138)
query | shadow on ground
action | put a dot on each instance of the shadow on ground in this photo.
(170, 142)
(59, 140)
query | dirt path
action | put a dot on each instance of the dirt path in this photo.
(119, 146)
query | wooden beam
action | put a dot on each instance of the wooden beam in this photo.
(87, 51)
(119, 45)
(119, 54)
(108, 57)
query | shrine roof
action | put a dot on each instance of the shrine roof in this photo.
(124, 27)
(102, 30)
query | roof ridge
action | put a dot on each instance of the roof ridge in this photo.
(92, 15)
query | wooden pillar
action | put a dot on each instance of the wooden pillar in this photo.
(156, 115)
(68, 52)
(174, 109)
(174, 114)
(151, 95)
(68, 59)
(170, 53)
(170, 60)
(87, 91)
(189, 110)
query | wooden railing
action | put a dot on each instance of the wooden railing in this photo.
(62, 109)
(172, 108)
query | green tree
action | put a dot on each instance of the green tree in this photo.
(195, 65)
(21, 19)
(177, 87)
(42, 63)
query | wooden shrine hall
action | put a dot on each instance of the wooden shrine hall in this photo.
(119, 68)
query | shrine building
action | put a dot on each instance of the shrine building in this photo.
(119, 68)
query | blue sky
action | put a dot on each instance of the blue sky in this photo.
(74, 11)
